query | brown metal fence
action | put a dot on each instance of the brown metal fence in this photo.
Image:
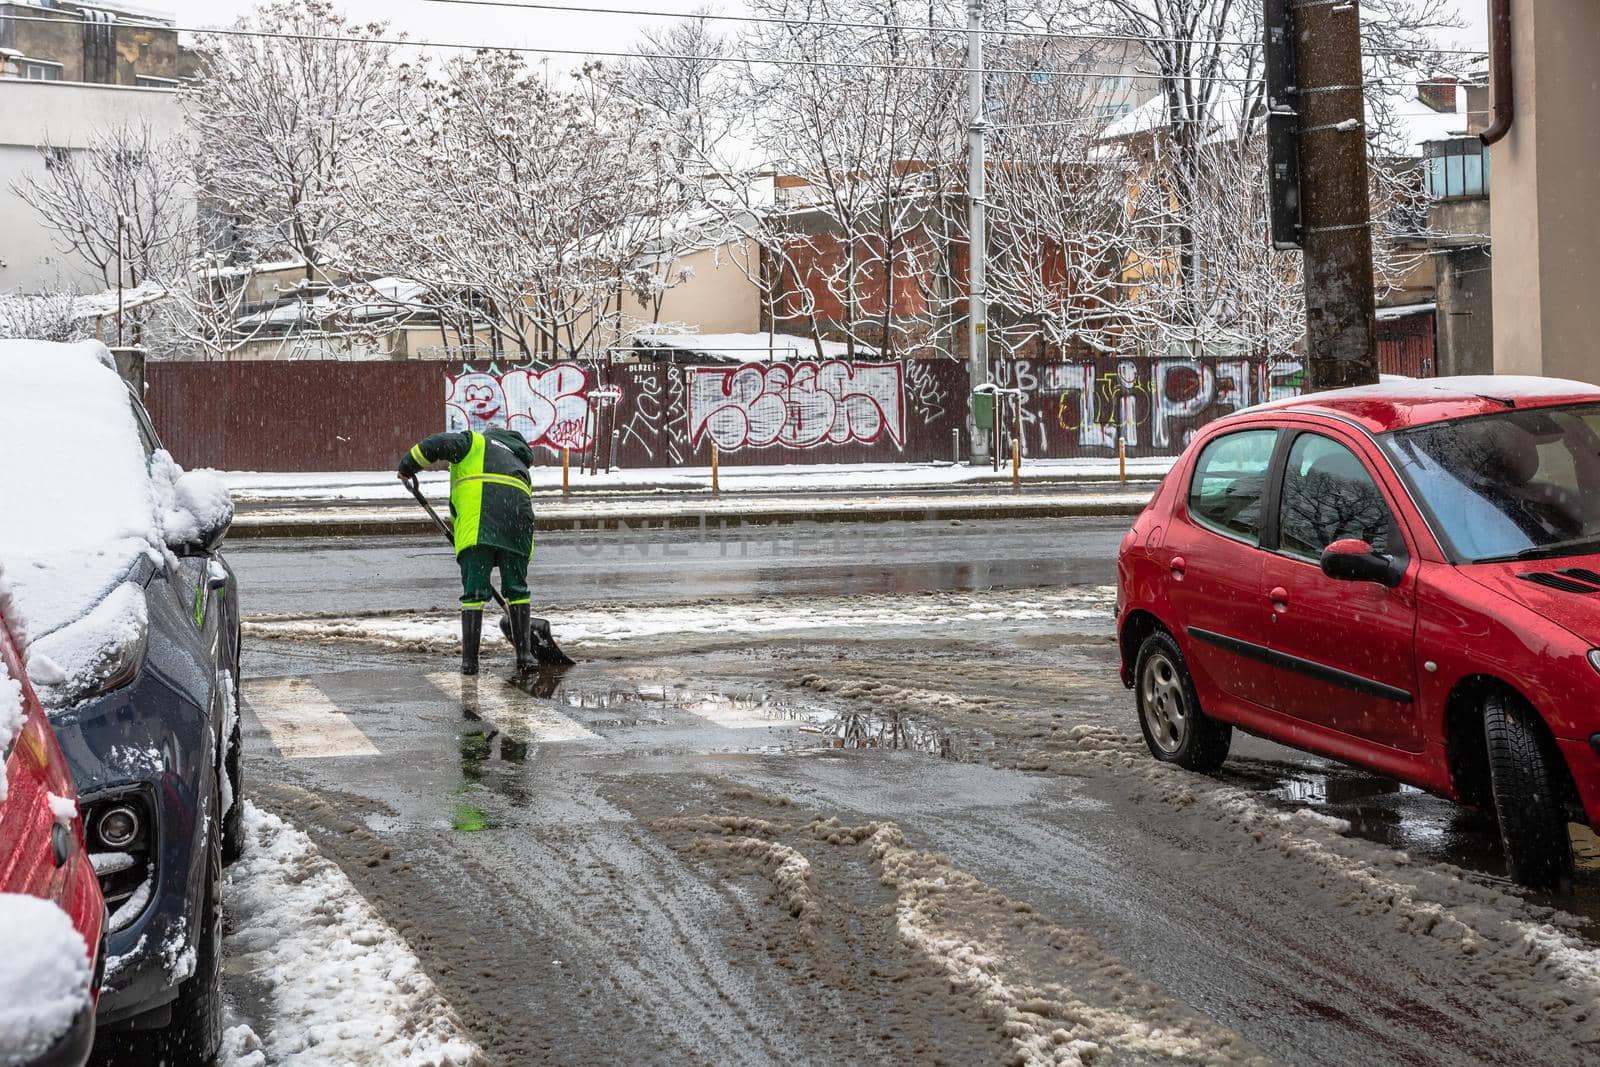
(328, 416)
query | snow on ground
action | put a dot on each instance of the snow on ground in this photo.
(767, 617)
(44, 976)
(345, 988)
(833, 477)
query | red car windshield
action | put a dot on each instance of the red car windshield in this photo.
(1513, 485)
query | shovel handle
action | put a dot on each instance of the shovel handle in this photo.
(444, 528)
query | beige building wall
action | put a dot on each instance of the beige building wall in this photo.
(721, 296)
(1546, 228)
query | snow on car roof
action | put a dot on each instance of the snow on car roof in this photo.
(1398, 403)
(44, 976)
(79, 509)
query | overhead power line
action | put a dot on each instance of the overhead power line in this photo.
(907, 27)
(578, 53)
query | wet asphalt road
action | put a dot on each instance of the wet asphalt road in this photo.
(361, 575)
(598, 867)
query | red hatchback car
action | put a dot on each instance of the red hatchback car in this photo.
(42, 852)
(1405, 577)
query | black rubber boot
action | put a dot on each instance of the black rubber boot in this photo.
(520, 636)
(471, 634)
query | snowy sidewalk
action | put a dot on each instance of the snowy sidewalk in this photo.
(375, 502)
(705, 511)
(255, 489)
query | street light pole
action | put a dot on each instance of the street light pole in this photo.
(977, 225)
(122, 224)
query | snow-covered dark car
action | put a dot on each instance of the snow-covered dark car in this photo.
(113, 555)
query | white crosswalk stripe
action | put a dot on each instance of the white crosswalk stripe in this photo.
(302, 721)
(510, 710)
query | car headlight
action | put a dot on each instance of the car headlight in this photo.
(1594, 658)
(117, 665)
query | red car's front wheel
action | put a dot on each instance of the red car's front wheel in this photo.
(1524, 775)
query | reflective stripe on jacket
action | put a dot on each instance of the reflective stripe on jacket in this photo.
(490, 490)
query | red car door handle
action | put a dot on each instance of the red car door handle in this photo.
(1279, 597)
(1178, 566)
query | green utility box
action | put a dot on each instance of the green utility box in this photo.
(983, 410)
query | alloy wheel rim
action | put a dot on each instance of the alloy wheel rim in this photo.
(1163, 704)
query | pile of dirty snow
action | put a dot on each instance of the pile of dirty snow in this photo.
(345, 987)
(44, 976)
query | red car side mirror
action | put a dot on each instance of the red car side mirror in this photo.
(1353, 560)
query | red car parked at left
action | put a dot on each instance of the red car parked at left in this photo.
(42, 851)
(1404, 577)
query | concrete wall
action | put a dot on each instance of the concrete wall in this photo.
(1546, 230)
(31, 255)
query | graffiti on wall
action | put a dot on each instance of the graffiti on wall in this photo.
(1155, 404)
(797, 405)
(657, 419)
(548, 406)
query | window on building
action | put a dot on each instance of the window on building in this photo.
(1455, 169)
(147, 82)
(39, 70)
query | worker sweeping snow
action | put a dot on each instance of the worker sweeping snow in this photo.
(491, 507)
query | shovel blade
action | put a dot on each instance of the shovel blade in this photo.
(545, 649)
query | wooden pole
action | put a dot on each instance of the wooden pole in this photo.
(1016, 465)
(715, 488)
(1122, 462)
(566, 472)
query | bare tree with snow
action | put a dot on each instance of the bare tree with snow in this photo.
(123, 201)
(280, 117)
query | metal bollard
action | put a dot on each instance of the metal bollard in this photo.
(616, 441)
(955, 446)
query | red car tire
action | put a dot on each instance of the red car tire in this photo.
(1175, 728)
(1523, 771)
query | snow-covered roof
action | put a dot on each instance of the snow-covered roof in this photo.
(1406, 311)
(750, 347)
(95, 305)
(381, 298)
(1415, 122)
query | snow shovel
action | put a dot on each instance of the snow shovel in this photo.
(545, 649)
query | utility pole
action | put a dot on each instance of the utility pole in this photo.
(977, 225)
(122, 225)
(1321, 114)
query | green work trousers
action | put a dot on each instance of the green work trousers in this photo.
(477, 566)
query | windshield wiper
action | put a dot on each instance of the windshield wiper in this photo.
(1564, 548)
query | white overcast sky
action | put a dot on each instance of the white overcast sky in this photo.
(464, 24)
